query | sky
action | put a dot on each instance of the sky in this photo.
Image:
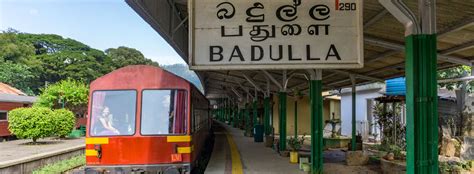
(101, 24)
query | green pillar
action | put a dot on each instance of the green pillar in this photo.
(232, 118)
(255, 113)
(236, 116)
(247, 117)
(282, 98)
(266, 115)
(296, 118)
(353, 140)
(421, 102)
(226, 109)
(242, 118)
(316, 103)
(229, 113)
(219, 110)
(223, 111)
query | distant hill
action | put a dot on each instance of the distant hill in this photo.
(183, 71)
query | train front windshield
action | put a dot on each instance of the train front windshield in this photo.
(113, 113)
(163, 112)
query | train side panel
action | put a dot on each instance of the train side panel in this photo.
(200, 122)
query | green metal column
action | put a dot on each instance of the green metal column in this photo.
(247, 117)
(255, 113)
(282, 128)
(237, 119)
(242, 118)
(226, 110)
(232, 118)
(296, 118)
(316, 103)
(353, 140)
(266, 116)
(421, 102)
(223, 111)
(219, 110)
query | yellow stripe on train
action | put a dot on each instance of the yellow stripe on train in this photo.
(185, 149)
(91, 152)
(178, 139)
(97, 140)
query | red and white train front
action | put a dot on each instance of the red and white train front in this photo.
(139, 120)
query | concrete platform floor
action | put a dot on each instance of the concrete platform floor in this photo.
(255, 158)
(17, 150)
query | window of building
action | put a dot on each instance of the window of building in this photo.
(3, 115)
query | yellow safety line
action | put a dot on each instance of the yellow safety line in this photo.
(236, 163)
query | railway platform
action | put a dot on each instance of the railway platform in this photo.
(18, 157)
(236, 154)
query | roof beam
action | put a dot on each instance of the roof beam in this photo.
(230, 76)
(236, 92)
(401, 47)
(330, 75)
(459, 26)
(458, 48)
(398, 65)
(358, 75)
(250, 80)
(382, 56)
(376, 18)
(273, 79)
(227, 83)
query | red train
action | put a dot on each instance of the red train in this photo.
(145, 119)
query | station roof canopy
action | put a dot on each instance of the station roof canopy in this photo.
(383, 45)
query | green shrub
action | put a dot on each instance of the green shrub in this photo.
(39, 122)
(64, 122)
(31, 123)
(69, 94)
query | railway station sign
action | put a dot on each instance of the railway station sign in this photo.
(275, 34)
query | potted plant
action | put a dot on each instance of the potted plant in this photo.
(295, 144)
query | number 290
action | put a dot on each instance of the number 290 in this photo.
(347, 6)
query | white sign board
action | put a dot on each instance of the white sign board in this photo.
(275, 34)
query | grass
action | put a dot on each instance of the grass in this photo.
(62, 166)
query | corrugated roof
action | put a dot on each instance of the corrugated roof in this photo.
(7, 89)
(384, 40)
(17, 98)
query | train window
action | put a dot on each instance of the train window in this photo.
(163, 112)
(113, 113)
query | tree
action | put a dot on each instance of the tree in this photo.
(70, 94)
(63, 121)
(12, 48)
(31, 123)
(455, 72)
(18, 76)
(50, 58)
(123, 56)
